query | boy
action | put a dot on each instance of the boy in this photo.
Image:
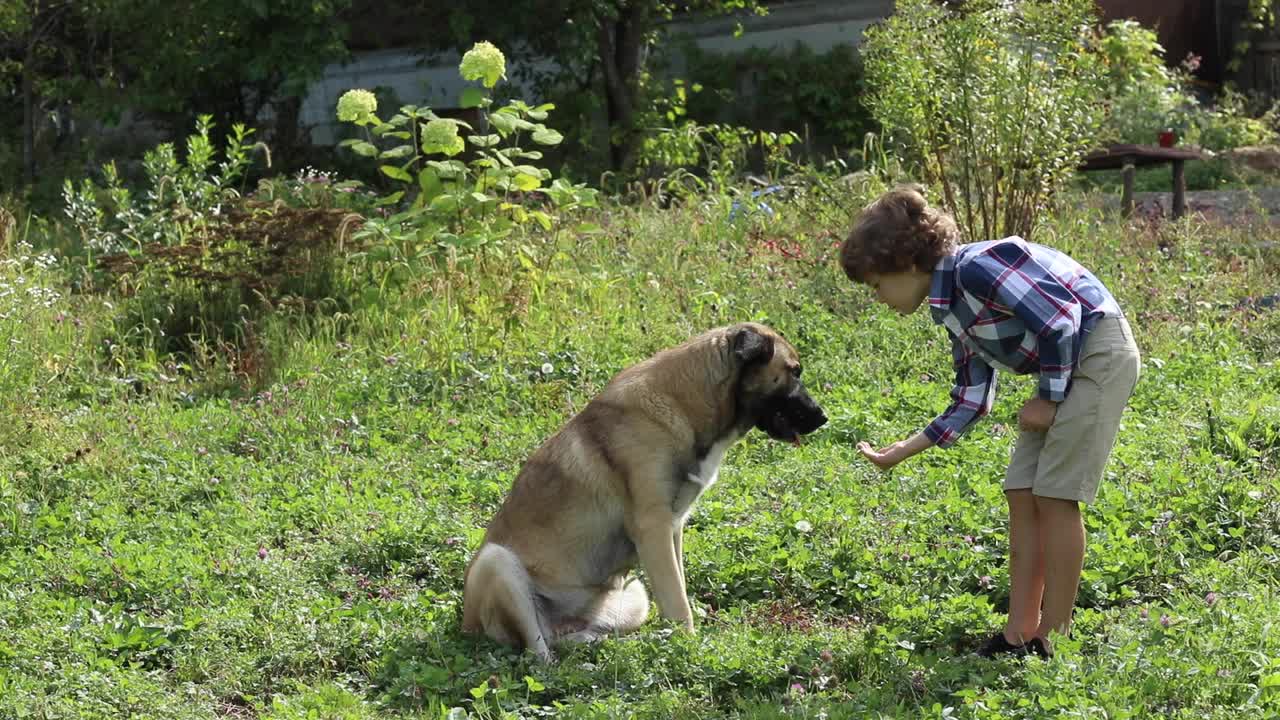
(1024, 308)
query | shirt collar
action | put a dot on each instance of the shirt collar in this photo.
(942, 287)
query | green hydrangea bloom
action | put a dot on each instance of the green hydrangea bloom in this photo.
(441, 136)
(357, 106)
(484, 62)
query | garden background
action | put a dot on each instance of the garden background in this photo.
(261, 398)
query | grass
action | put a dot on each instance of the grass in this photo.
(172, 548)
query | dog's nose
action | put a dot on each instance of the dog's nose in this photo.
(815, 419)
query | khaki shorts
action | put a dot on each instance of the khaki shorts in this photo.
(1067, 461)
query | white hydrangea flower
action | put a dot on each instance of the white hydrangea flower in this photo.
(357, 106)
(441, 136)
(484, 62)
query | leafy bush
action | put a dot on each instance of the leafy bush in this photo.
(995, 102)
(447, 204)
(692, 158)
(199, 266)
(819, 96)
(1227, 124)
(183, 195)
(1144, 96)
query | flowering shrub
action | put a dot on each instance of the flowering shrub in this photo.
(312, 188)
(28, 304)
(453, 204)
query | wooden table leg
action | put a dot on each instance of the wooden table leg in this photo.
(1127, 174)
(1179, 189)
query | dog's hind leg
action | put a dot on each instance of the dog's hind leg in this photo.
(613, 613)
(498, 599)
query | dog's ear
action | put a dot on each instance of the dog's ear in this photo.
(750, 346)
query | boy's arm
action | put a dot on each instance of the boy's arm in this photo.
(971, 398)
(1009, 275)
(886, 458)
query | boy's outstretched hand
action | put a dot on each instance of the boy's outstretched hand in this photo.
(1037, 415)
(886, 458)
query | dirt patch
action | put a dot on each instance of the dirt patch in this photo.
(1231, 207)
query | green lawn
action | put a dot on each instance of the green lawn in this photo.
(174, 547)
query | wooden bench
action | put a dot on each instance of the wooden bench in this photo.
(1128, 157)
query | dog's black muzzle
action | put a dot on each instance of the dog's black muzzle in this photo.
(787, 417)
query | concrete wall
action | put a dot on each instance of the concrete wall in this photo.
(819, 24)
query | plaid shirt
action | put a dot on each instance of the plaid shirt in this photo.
(1013, 305)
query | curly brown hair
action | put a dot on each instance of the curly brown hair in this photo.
(899, 232)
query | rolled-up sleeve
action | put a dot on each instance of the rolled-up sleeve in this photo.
(1009, 276)
(971, 398)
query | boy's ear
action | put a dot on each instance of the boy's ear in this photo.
(750, 346)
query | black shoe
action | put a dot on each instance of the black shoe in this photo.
(1038, 648)
(998, 646)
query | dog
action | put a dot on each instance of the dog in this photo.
(615, 484)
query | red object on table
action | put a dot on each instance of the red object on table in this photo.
(1166, 138)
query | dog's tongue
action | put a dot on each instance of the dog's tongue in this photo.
(796, 440)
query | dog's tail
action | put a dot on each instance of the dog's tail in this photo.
(498, 600)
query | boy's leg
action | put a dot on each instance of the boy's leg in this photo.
(1062, 539)
(1026, 557)
(1026, 567)
(1073, 459)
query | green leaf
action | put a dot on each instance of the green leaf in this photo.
(391, 199)
(543, 219)
(398, 151)
(547, 136)
(484, 141)
(444, 204)
(526, 181)
(447, 169)
(430, 183)
(471, 97)
(503, 123)
(365, 149)
(533, 685)
(396, 173)
(587, 228)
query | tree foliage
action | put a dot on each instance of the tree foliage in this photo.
(233, 59)
(995, 102)
(600, 47)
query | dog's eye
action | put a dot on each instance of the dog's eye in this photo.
(796, 371)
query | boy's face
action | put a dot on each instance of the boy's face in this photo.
(902, 291)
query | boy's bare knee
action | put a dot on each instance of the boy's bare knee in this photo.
(1056, 506)
(1020, 500)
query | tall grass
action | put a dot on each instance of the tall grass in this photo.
(173, 545)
